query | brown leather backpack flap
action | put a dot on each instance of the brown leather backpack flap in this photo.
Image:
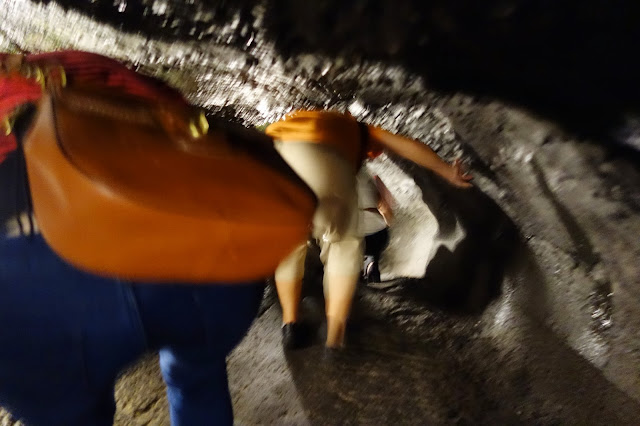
(122, 145)
(117, 194)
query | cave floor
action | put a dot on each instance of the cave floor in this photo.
(404, 364)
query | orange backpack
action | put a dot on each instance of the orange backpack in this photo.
(139, 190)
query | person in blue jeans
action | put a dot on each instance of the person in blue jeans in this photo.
(65, 335)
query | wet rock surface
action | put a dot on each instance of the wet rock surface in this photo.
(516, 302)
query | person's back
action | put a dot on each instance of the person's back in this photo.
(323, 147)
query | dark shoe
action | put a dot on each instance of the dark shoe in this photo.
(295, 335)
(368, 260)
(372, 273)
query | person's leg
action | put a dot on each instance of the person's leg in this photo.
(196, 327)
(336, 220)
(288, 278)
(342, 259)
(342, 270)
(374, 245)
(369, 256)
(371, 270)
(64, 337)
(197, 387)
(339, 297)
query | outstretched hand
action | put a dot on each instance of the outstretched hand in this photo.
(422, 155)
(456, 175)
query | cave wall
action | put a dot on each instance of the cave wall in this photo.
(576, 205)
(571, 60)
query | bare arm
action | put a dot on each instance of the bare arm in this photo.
(422, 155)
(385, 200)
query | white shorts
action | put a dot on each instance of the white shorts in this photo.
(336, 221)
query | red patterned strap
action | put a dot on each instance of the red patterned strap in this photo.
(21, 84)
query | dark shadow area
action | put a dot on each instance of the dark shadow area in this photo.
(583, 248)
(468, 278)
(171, 19)
(572, 61)
(14, 197)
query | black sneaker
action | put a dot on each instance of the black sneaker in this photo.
(372, 273)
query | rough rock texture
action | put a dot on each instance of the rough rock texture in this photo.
(529, 311)
(572, 60)
(580, 272)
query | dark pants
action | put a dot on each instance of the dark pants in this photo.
(65, 335)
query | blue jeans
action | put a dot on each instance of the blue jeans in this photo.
(65, 335)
